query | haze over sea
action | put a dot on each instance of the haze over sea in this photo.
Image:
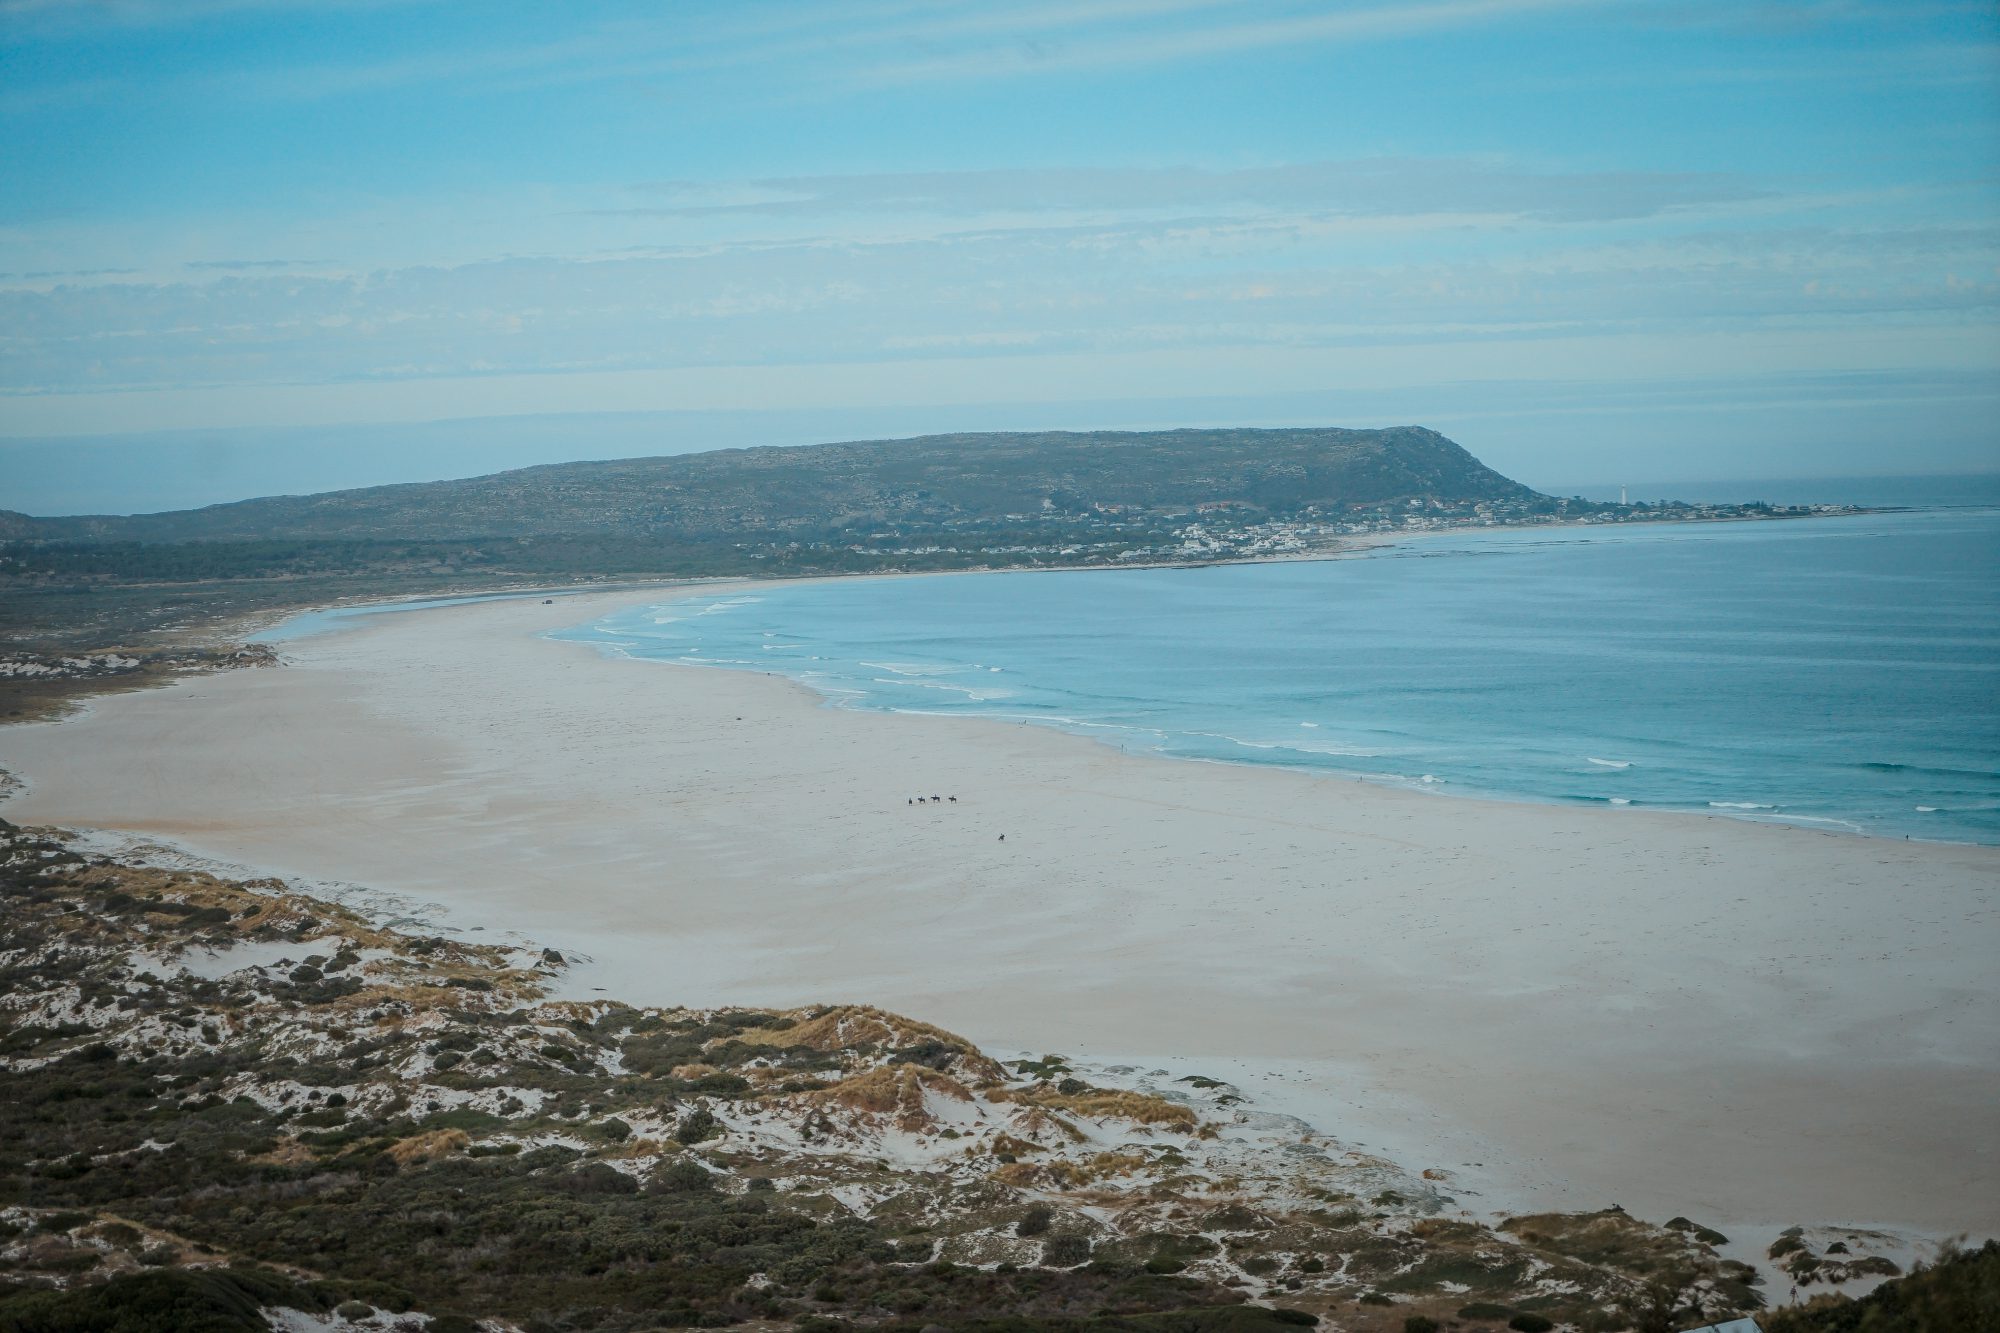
(1838, 672)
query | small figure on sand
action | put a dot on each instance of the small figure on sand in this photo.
(1003, 837)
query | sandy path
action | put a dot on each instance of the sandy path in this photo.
(1750, 1025)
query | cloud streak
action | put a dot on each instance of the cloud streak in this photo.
(1169, 285)
(1372, 187)
(60, 19)
(1344, 26)
(826, 46)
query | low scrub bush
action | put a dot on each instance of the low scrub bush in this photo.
(1065, 1249)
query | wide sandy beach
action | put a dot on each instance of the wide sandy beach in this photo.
(1750, 1025)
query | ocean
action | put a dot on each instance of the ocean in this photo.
(1840, 672)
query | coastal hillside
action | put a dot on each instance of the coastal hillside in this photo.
(75, 588)
(936, 482)
(230, 1106)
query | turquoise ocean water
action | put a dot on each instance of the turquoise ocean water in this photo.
(1840, 672)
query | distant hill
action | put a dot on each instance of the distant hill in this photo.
(933, 483)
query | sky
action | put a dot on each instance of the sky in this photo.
(257, 246)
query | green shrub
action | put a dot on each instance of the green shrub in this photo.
(1065, 1249)
(1420, 1323)
(1528, 1322)
(682, 1177)
(599, 1178)
(1960, 1291)
(69, 1261)
(175, 1301)
(1035, 1221)
(698, 1125)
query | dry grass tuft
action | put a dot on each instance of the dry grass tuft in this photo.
(429, 1147)
(1061, 1175)
(1007, 1143)
(1039, 1124)
(640, 1147)
(897, 1090)
(850, 1025)
(566, 1011)
(1104, 1104)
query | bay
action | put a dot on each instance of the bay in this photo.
(1838, 672)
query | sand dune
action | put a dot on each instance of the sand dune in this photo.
(1747, 1024)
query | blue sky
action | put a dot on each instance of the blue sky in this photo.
(249, 245)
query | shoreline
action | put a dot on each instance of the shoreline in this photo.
(1355, 548)
(1261, 978)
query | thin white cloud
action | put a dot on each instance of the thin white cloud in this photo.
(1923, 64)
(1029, 377)
(73, 18)
(1361, 187)
(829, 47)
(1284, 277)
(1790, 17)
(1147, 46)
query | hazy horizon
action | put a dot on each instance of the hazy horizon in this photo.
(192, 470)
(252, 246)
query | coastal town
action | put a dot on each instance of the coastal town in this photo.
(1227, 530)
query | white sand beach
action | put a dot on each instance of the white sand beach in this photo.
(1751, 1025)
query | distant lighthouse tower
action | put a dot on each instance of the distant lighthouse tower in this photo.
(1621, 496)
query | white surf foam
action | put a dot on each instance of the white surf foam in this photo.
(914, 668)
(971, 692)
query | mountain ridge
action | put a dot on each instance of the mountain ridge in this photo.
(921, 482)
